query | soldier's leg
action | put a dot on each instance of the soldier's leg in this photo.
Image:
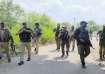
(104, 53)
(37, 46)
(57, 43)
(73, 45)
(82, 59)
(87, 51)
(22, 47)
(28, 46)
(81, 53)
(0, 51)
(70, 41)
(100, 52)
(67, 48)
(6, 47)
(62, 47)
(34, 44)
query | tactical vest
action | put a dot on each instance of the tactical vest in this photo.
(25, 36)
(4, 35)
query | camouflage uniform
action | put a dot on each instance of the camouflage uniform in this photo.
(25, 35)
(102, 44)
(72, 39)
(64, 36)
(5, 37)
(83, 42)
(57, 39)
(36, 37)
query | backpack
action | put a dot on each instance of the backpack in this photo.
(102, 35)
(25, 36)
(83, 35)
(5, 35)
(64, 35)
(38, 32)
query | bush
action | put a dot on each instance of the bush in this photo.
(14, 30)
(47, 36)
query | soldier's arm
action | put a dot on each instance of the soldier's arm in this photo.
(89, 41)
(76, 32)
(60, 34)
(10, 35)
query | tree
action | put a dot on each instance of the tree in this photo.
(92, 26)
(10, 13)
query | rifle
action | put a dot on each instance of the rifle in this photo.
(90, 44)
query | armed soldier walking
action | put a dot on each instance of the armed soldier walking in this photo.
(72, 39)
(36, 36)
(57, 31)
(83, 42)
(102, 44)
(25, 35)
(5, 38)
(64, 36)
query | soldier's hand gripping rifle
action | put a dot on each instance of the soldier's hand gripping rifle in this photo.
(90, 44)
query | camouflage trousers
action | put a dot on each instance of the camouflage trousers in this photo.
(83, 51)
(63, 44)
(57, 43)
(72, 42)
(5, 46)
(35, 44)
(102, 52)
(23, 46)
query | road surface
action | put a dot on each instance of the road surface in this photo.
(49, 62)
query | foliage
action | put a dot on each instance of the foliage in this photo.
(92, 26)
(47, 25)
(10, 13)
(13, 15)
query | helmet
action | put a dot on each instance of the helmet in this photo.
(36, 24)
(83, 22)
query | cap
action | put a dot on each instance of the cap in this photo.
(83, 22)
(24, 23)
(36, 24)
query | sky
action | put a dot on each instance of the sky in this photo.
(67, 10)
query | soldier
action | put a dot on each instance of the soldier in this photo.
(37, 34)
(1, 55)
(98, 35)
(90, 34)
(102, 44)
(64, 36)
(5, 38)
(25, 35)
(72, 39)
(57, 31)
(83, 42)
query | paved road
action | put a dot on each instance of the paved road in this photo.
(49, 62)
